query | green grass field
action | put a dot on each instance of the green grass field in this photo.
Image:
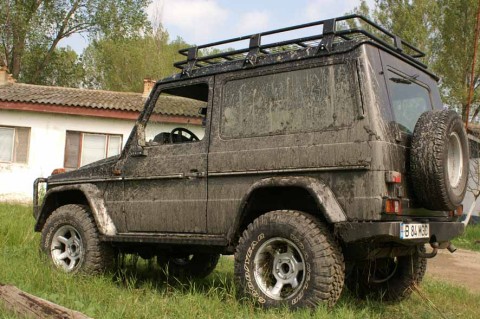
(470, 239)
(139, 290)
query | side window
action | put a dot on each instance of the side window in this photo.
(409, 100)
(308, 100)
(178, 116)
(14, 144)
(84, 148)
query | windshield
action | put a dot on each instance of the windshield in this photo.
(409, 100)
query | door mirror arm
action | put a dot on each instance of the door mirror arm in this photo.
(138, 149)
(135, 147)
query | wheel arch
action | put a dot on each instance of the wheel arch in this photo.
(83, 194)
(311, 196)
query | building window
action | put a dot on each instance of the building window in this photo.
(85, 148)
(14, 144)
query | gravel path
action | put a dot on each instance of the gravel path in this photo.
(460, 268)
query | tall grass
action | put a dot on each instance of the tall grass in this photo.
(470, 239)
(140, 290)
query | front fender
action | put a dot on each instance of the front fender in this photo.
(92, 195)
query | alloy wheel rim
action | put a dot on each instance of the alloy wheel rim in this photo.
(454, 160)
(279, 268)
(67, 248)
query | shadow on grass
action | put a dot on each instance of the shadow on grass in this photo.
(133, 272)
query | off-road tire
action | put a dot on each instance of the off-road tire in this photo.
(323, 271)
(429, 159)
(188, 266)
(409, 273)
(96, 256)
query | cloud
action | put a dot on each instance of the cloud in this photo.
(197, 18)
(323, 9)
(253, 21)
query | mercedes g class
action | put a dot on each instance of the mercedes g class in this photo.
(326, 160)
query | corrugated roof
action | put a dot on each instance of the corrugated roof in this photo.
(121, 101)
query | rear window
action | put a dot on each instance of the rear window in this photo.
(409, 100)
(315, 99)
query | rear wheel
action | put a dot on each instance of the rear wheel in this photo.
(71, 240)
(386, 279)
(288, 258)
(189, 265)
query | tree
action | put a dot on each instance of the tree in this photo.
(444, 30)
(454, 63)
(121, 64)
(64, 69)
(39, 25)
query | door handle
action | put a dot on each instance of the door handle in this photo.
(194, 174)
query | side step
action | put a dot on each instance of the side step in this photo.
(168, 238)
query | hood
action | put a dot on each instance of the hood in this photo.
(98, 169)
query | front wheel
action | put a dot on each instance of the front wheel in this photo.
(289, 258)
(71, 240)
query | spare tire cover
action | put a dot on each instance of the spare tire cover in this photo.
(439, 160)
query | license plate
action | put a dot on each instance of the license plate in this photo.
(414, 231)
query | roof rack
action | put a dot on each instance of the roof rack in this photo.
(350, 28)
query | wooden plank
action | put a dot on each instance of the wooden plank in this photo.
(29, 306)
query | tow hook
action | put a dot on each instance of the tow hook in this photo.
(451, 247)
(423, 254)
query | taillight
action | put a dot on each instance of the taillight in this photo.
(393, 177)
(457, 212)
(393, 206)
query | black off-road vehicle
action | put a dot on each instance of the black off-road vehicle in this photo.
(324, 160)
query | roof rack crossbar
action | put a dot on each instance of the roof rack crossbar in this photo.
(191, 60)
(254, 48)
(330, 35)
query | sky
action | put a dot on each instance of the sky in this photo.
(204, 21)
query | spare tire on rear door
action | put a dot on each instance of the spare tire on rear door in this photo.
(439, 160)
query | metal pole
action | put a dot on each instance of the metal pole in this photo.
(474, 62)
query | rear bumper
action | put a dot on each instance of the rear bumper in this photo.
(390, 231)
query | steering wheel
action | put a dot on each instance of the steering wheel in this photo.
(178, 132)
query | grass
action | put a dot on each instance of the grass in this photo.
(470, 239)
(140, 291)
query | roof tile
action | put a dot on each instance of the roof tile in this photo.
(122, 101)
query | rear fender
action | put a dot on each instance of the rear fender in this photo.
(325, 199)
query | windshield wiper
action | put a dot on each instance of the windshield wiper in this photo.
(408, 80)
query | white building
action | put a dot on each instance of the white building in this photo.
(43, 128)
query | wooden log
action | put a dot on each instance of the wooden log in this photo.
(29, 306)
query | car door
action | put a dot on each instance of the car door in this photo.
(165, 188)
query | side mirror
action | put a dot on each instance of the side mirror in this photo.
(138, 146)
(202, 111)
(138, 151)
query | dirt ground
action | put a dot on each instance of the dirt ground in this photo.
(460, 268)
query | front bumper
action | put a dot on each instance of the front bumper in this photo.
(390, 231)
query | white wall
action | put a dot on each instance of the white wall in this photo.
(47, 146)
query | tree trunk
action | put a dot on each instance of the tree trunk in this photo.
(26, 305)
(17, 53)
(20, 22)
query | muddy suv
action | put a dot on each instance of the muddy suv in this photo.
(322, 161)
